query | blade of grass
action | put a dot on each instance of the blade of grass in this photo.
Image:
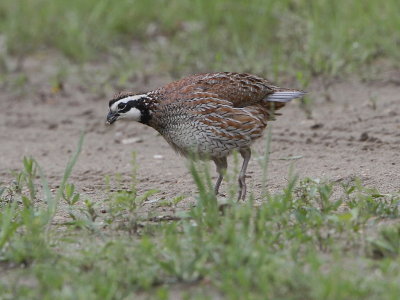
(52, 201)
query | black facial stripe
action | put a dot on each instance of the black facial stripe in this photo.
(128, 106)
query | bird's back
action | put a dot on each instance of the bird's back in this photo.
(240, 89)
(213, 113)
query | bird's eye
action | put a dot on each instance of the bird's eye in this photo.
(121, 105)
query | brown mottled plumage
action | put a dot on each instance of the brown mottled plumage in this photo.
(208, 115)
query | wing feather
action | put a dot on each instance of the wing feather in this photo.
(239, 89)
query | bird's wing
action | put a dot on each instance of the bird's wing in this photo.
(238, 88)
(233, 89)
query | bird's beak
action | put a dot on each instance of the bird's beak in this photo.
(112, 117)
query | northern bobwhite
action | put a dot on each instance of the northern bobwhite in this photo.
(208, 115)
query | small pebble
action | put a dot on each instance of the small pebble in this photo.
(131, 140)
(363, 137)
(317, 126)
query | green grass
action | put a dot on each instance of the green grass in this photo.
(275, 37)
(300, 243)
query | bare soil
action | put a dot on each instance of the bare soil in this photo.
(354, 132)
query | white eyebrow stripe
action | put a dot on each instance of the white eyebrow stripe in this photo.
(125, 100)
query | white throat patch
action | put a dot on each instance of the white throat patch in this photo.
(133, 114)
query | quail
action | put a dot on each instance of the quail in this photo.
(208, 115)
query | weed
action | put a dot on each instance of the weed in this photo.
(25, 225)
(313, 240)
(123, 203)
(387, 244)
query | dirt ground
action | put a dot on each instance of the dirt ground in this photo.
(355, 132)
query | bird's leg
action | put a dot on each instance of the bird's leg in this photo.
(221, 164)
(246, 153)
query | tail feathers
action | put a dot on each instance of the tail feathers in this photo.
(284, 95)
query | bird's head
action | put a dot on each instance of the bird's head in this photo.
(129, 107)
